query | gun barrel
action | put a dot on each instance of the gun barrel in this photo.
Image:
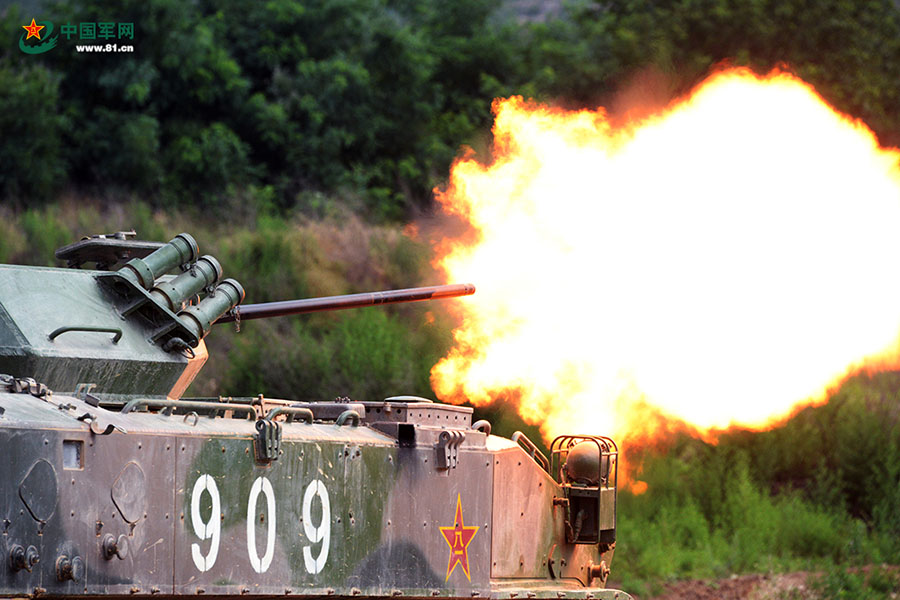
(308, 305)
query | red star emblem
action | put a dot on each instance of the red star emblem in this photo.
(458, 538)
(34, 30)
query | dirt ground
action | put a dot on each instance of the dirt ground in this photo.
(794, 586)
(739, 587)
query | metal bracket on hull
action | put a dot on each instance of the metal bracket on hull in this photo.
(25, 385)
(268, 440)
(447, 448)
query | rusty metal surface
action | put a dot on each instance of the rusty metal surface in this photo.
(522, 494)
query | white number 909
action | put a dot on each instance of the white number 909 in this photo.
(212, 529)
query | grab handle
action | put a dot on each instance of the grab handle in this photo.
(522, 440)
(117, 333)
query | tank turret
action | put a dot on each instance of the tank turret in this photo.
(134, 325)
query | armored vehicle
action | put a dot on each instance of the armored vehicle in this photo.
(116, 485)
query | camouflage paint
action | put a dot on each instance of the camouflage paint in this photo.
(387, 506)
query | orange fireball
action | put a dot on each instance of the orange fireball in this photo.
(719, 263)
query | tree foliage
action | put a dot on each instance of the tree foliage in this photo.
(372, 100)
(32, 161)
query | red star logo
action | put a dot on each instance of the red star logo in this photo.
(34, 30)
(458, 538)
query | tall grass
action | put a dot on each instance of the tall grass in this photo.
(819, 491)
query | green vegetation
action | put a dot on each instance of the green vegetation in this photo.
(878, 583)
(820, 490)
(296, 105)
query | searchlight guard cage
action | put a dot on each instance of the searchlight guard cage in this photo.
(589, 501)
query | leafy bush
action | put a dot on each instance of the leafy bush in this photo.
(840, 584)
(205, 163)
(32, 166)
(818, 491)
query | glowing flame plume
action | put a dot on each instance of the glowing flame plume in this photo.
(720, 263)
